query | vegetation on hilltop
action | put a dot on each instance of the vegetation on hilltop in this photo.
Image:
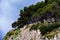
(46, 12)
(29, 14)
(13, 32)
(47, 9)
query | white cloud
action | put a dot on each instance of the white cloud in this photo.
(7, 14)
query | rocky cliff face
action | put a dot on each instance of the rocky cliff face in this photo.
(27, 34)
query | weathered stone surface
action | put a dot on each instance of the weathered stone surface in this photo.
(27, 34)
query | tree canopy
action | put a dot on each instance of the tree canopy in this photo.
(27, 14)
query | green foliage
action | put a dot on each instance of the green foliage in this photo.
(44, 28)
(40, 5)
(50, 1)
(52, 33)
(14, 24)
(37, 10)
(12, 32)
(34, 27)
(27, 14)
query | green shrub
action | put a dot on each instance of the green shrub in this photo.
(54, 26)
(12, 32)
(34, 27)
(48, 28)
(44, 28)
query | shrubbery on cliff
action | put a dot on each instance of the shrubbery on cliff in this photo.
(36, 11)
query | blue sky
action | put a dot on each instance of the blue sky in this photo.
(9, 12)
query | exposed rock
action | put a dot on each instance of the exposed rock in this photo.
(26, 34)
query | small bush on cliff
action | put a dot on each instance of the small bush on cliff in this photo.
(44, 28)
(34, 27)
(48, 28)
(12, 32)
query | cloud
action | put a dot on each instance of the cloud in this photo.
(6, 16)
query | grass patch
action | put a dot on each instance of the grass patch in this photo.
(12, 32)
(51, 34)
